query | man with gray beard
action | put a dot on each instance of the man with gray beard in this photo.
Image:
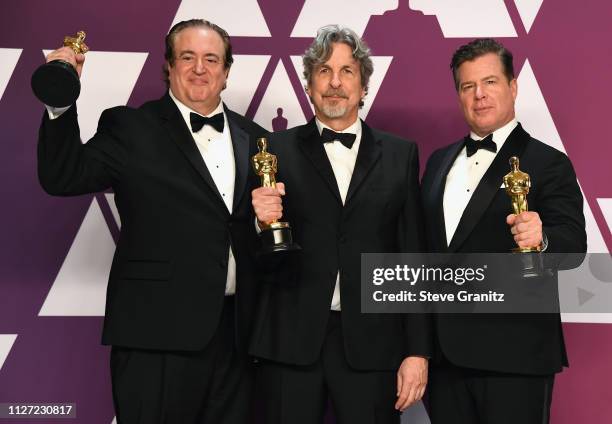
(346, 189)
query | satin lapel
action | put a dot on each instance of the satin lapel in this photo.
(181, 135)
(240, 143)
(314, 151)
(434, 196)
(369, 152)
(488, 186)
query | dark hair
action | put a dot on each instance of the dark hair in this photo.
(193, 23)
(481, 47)
(321, 49)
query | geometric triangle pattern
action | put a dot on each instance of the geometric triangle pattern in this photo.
(279, 102)
(110, 199)
(298, 65)
(381, 66)
(100, 87)
(80, 286)
(533, 113)
(240, 18)
(244, 77)
(6, 344)
(606, 208)
(8, 61)
(311, 17)
(468, 18)
(528, 10)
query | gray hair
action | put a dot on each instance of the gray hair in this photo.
(321, 49)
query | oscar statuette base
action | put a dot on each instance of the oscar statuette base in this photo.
(56, 84)
(277, 239)
(531, 261)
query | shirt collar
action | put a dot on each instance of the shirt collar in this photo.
(185, 110)
(500, 135)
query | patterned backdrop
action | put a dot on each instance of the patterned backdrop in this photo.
(56, 252)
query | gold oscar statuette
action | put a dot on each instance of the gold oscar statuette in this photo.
(57, 83)
(517, 184)
(276, 235)
(77, 43)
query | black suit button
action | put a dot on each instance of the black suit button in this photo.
(342, 239)
(223, 263)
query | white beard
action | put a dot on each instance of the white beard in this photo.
(333, 111)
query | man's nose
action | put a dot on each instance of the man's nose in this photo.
(198, 66)
(480, 91)
(335, 80)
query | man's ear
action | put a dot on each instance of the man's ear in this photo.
(226, 77)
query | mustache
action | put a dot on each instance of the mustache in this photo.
(336, 93)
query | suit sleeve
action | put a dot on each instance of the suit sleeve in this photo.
(560, 206)
(66, 167)
(418, 328)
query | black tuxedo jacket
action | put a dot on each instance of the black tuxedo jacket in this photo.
(526, 344)
(168, 276)
(382, 213)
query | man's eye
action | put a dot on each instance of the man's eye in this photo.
(187, 58)
(212, 60)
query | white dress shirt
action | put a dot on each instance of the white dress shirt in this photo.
(465, 175)
(342, 162)
(218, 153)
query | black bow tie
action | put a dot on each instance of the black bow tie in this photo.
(198, 121)
(472, 146)
(329, 136)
